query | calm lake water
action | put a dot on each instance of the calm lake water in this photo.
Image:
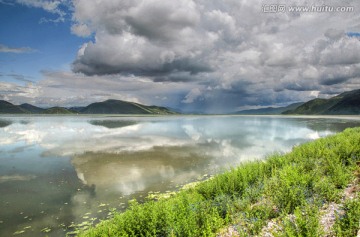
(57, 172)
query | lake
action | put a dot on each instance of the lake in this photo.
(57, 172)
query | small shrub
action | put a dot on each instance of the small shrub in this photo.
(349, 223)
(288, 188)
(304, 222)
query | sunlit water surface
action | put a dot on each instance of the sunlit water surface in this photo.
(57, 172)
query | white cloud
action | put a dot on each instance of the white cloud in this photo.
(192, 96)
(15, 93)
(81, 30)
(143, 37)
(52, 6)
(343, 51)
(7, 49)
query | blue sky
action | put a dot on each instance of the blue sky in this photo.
(47, 45)
(193, 55)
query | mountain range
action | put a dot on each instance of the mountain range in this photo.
(105, 107)
(269, 110)
(347, 103)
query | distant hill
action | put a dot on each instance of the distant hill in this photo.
(123, 107)
(57, 110)
(76, 109)
(347, 103)
(31, 108)
(269, 110)
(105, 107)
(8, 108)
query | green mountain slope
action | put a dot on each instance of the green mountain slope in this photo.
(31, 108)
(347, 103)
(76, 109)
(106, 107)
(123, 107)
(57, 110)
(159, 110)
(8, 108)
(269, 110)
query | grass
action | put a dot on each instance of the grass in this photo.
(289, 188)
(348, 224)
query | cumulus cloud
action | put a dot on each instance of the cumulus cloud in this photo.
(18, 94)
(334, 33)
(229, 49)
(81, 30)
(149, 38)
(343, 51)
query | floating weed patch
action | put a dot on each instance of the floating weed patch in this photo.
(288, 188)
(46, 230)
(19, 232)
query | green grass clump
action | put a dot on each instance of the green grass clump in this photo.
(304, 222)
(349, 223)
(293, 185)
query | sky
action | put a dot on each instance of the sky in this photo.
(207, 56)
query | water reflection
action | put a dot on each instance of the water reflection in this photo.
(131, 172)
(112, 123)
(59, 170)
(4, 123)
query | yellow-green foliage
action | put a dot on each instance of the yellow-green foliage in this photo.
(251, 194)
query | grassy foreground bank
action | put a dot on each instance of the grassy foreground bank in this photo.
(290, 188)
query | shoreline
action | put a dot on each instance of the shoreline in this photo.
(347, 117)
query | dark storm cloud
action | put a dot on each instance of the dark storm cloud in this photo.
(163, 72)
(339, 75)
(333, 81)
(300, 87)
(178, 77)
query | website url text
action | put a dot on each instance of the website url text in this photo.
(282, 8)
